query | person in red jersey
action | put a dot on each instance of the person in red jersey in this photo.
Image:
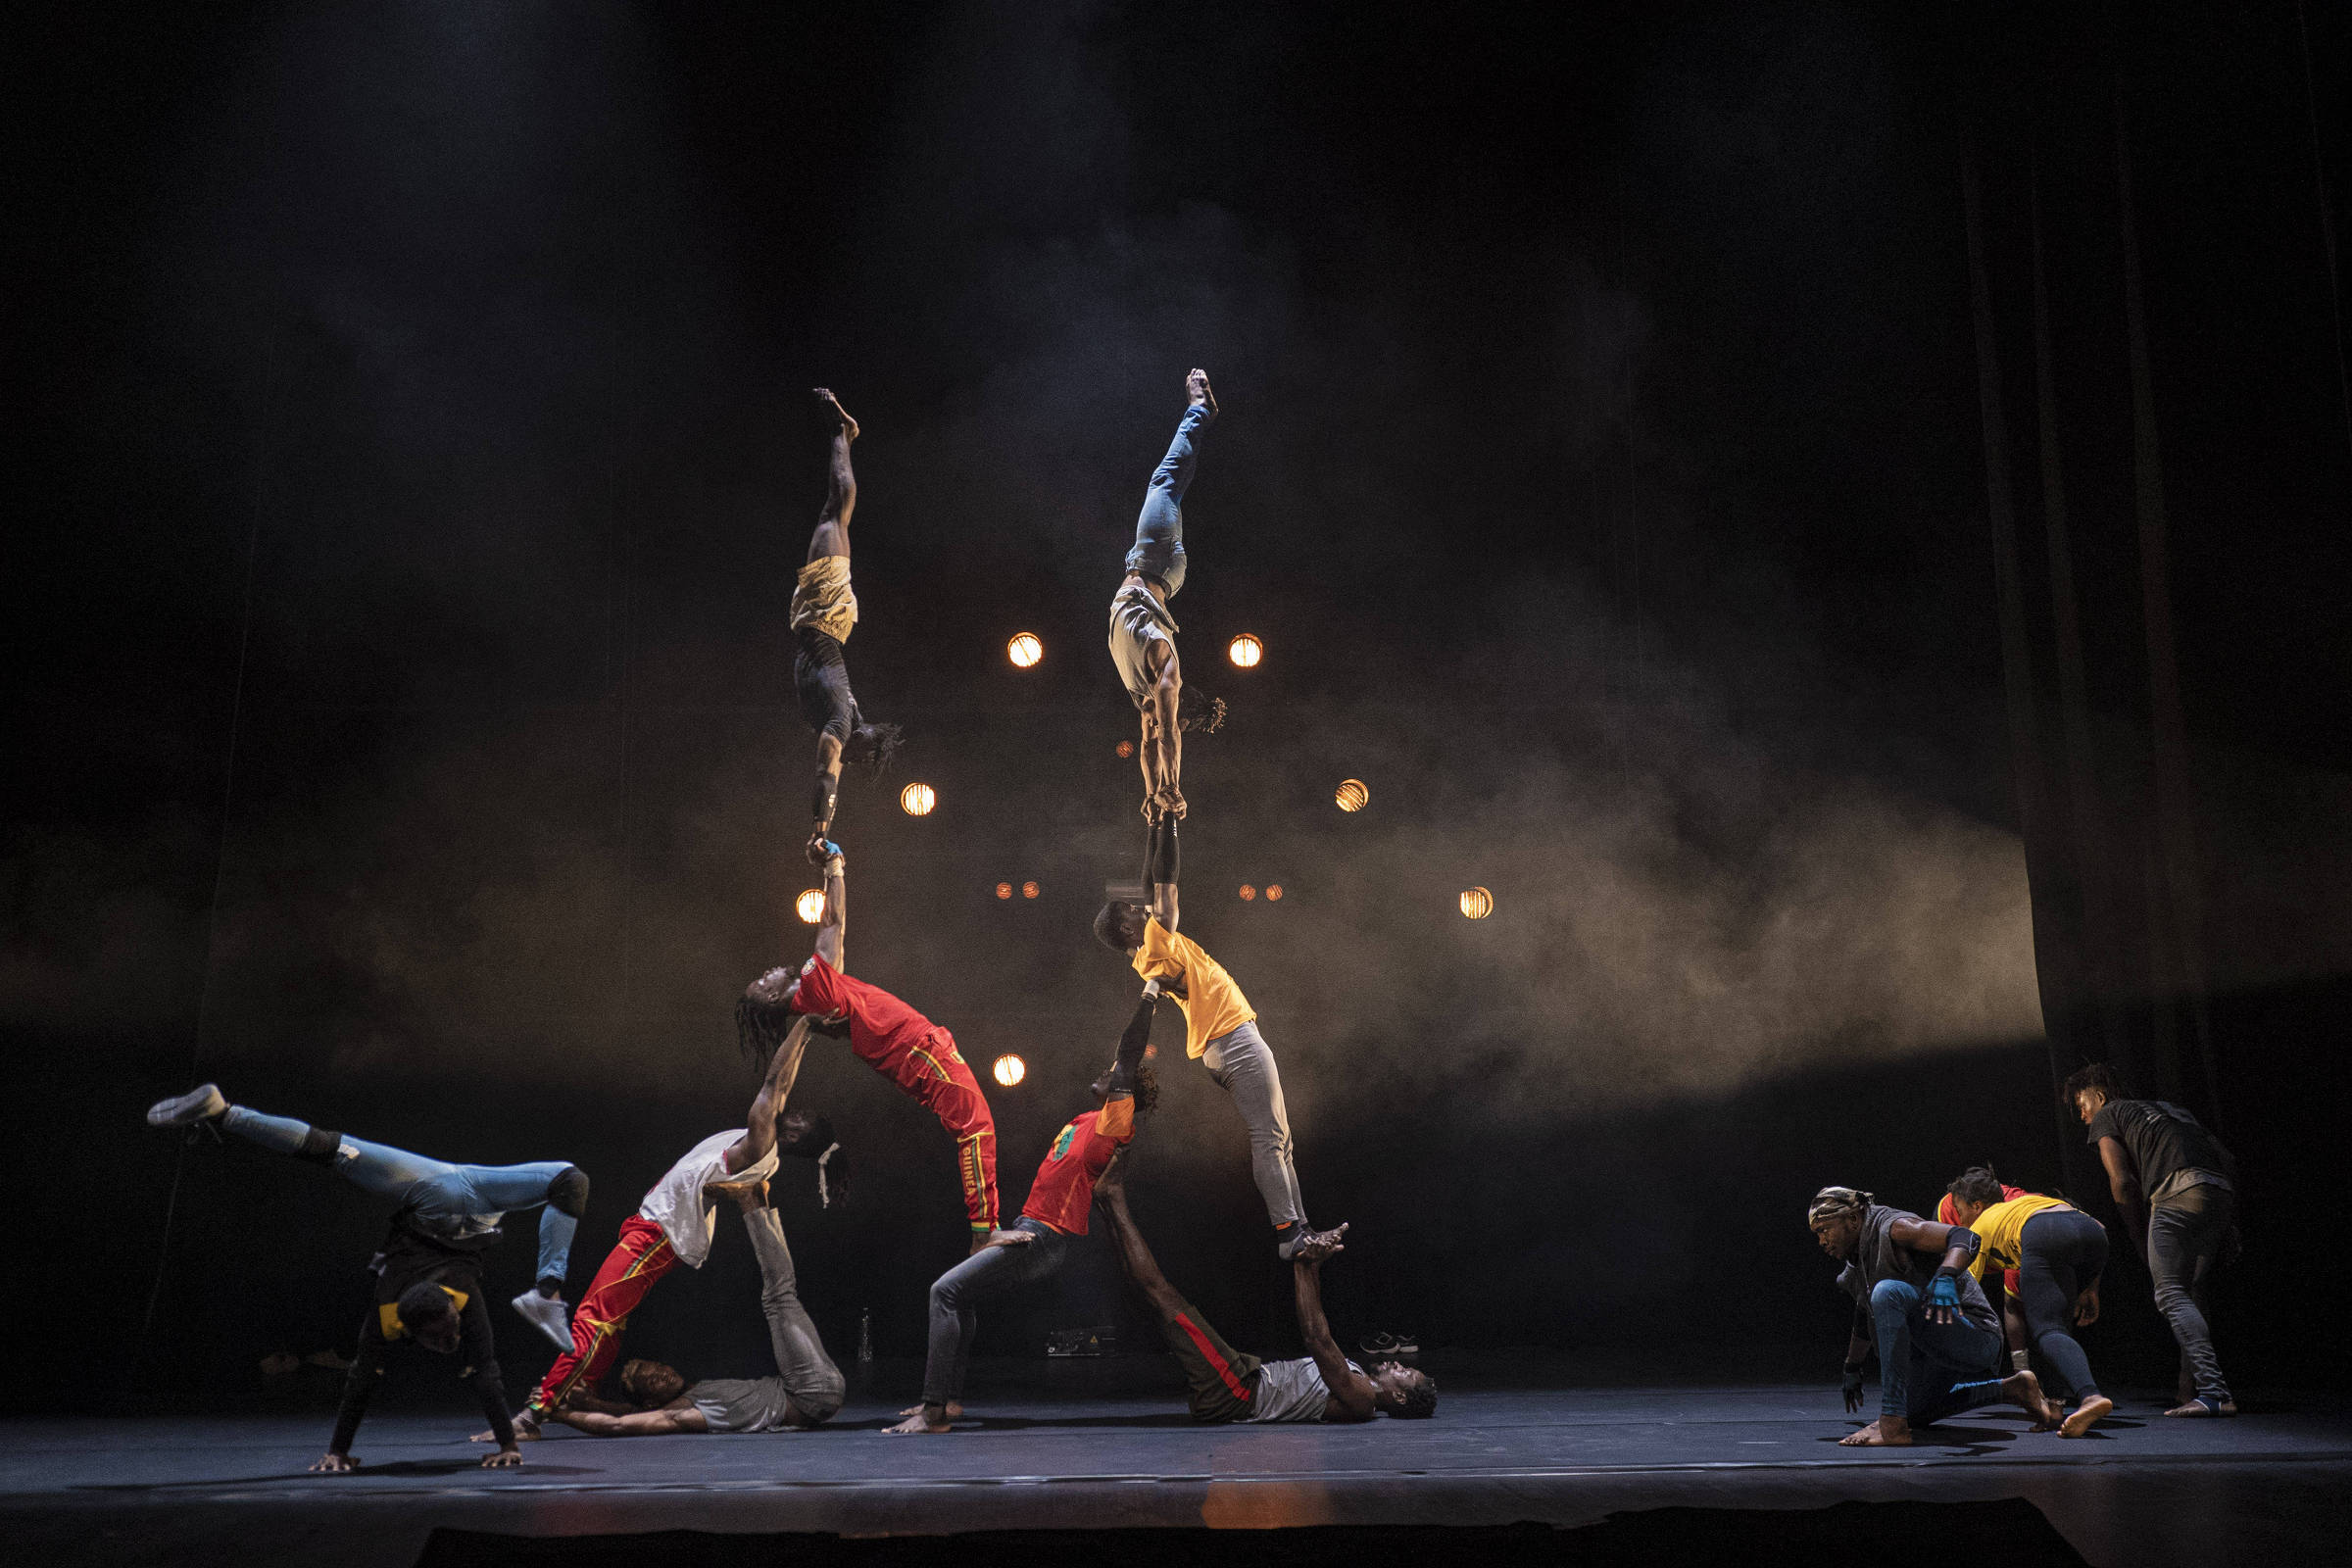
(896, 1042)
(1034, 1249)
(2013, 1316)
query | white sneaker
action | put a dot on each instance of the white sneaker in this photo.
(201, 1103)
(547, 1314)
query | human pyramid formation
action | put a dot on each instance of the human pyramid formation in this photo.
(429, 1271)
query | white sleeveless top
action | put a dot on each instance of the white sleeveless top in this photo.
(686, 1213)
(1290, 1391)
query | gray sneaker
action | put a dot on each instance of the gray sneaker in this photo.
(548, 1315)
(201, 1103)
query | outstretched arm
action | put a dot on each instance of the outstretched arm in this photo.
(760, 1122)
(832, 536)
(1132, 1046)
(836, 918)
(1160, 871)
(1163, 740)
(1351, 1390)
(637, 1423)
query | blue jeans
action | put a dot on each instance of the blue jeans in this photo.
(452, 1200)
(954, 1293)
(1930, 1370)
(1160, 529)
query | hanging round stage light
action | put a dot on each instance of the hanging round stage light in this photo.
(1247, 893)
(1273, 893)
(1003, 890)
(1125, 750)
(1028, 890)
(1245, 651)
(1024, 650)
(1477, 903)
(1351, 795)
(917, 800)
(1008, 1070)
(811, 906)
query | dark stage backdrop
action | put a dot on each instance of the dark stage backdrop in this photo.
(1631, 478)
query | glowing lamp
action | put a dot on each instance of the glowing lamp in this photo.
(1477, 903)
(1024, 650)
(1247, 893)
(1028, 890)
(1008, 1070)
(1003, 890)
(811, 906)
(1273, 893)
(917, 800)
(1245, 651)
(1125, 749)
(1351, 795)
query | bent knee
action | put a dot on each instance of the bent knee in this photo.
(1897, 1294)
(568, 1194)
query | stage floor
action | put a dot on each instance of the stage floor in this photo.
(2143, 1491)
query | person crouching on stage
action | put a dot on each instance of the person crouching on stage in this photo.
(806, 1391)
(2013, 1313)
(1034, 1249)
(2058, 1253)
(1938, 1341)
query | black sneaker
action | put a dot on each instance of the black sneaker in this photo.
(1393, 1348)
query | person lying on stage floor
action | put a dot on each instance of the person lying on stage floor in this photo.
(2057, 1253)
(1938, 1341)
(1220, 1031)
(428, 1276)
(2175, 1186)
(825, 609)
(679, 1216)
(1228, 1384)
(806, 1391)
(1143, 632)
(2013, 1312)
(896, 1042)
(1056, 1210)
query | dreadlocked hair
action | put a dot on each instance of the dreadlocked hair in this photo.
(1419, 1401)
(762, 1015)
(1196, 711)
(1977, 1185)
(1110, 923)
(1146, 1090)
(2098, 1075)
(877, 744)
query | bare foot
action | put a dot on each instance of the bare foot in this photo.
(2087, 1416)
(1196, 390)
(924, 1423)
(954, 1409)
(526, 1429)
(1887, 1431)
(2024, 1389)
(849, 425)
(2198, 1408)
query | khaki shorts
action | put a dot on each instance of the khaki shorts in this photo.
(1137, 621)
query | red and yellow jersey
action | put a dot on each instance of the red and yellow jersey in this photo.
(1947, 1213)
(1064, 1188)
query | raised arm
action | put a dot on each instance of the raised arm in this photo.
(1160, 871)
(1132, 1046)
(835, 922)
(760, 1122)
(1351, 1390)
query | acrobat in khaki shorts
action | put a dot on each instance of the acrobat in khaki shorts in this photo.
(1221, 1380)
(1137, 621)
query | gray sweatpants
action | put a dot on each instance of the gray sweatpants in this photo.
(1244, 1067)
(808, 1374)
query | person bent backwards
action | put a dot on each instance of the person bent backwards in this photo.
(428, 1275)
(1938, 1341)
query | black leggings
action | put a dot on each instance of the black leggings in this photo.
(821, 678)
(2064, 1249)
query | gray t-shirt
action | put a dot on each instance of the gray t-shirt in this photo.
(1878, 1256)
(743, 1404)
(1290, 1391)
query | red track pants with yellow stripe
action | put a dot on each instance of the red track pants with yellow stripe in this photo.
(929, 1070)
(641, 1257)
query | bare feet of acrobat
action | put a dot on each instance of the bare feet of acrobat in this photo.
(1887, 1431)
(1195, 389)
(825, 396)
(928, 1420)
(2024, 1389)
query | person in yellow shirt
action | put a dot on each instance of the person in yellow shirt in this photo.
(1220, 1032)
(2059, 1252)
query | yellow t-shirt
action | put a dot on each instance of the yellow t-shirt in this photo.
(2002, 1227)
(1213, 1004)
(821, 598)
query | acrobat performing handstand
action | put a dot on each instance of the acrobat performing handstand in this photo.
(428, 1276)
(1228, 1385)
(825, 609)
(1142, 630)
(1034, 1249)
